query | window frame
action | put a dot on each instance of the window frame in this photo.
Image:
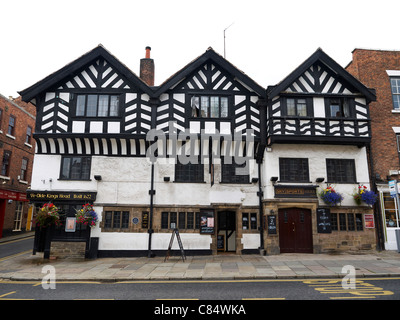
(11, 126)
(348, 222)
(85, 109)
(24, 171)
(341, 102)
(332, 166)
(28, 138)
(81, 177)
(196, 112)
(308, 104)
(295, 164)
(184, 220)
(117, 219)
(228, 172)
(183, 172)
(7, 169)
(395, 95)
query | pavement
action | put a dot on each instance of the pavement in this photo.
(28, 267)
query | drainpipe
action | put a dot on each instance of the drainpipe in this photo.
(262, 104)
(261, 211)
(152, 192)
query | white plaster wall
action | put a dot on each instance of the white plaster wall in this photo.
(46, 174)
(250, 240)
(317, 155)
(159, 241)
(126, 181)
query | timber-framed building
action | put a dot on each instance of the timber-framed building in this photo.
(232, 165)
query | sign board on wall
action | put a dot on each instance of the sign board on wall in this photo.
(369, 220)
(207, 221)
(324, 220)
(70, 224)
(50, 196)
(271, 224)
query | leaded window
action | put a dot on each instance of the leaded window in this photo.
(75, 168)
(189, 172)
(293, 170)
(341, 170)
(94, 105)
(210, 106)
(234, 173)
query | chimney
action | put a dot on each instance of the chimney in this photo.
(147, 68)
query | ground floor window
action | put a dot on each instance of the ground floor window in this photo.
(181, 220)
(19, 208)
(249, 221)
(390, 215)
(346, 222)
(116, 219)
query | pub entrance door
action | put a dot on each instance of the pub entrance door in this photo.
(295, 233)
(226, 232)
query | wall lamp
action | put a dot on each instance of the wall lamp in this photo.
(274, 179)
(320, 180)
(254, 180)
(97, 177)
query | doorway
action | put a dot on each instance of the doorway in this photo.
(295, 233)
(226, 231)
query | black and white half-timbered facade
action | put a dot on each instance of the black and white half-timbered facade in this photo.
(209, 152)
(318, 136)
(152, 159)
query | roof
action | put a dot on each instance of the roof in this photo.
(321, 56)
(30, 93)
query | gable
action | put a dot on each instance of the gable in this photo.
(97, 69)
(321, 74)
(210, 76)
(100, 74)
(320, 79)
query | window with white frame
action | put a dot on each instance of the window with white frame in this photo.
(395, 85)
(19, 208)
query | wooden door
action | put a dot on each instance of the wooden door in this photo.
(295, 233)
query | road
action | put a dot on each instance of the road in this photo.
(385, 288)
(16, 247)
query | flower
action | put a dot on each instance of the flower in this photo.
(363, 194)
(330, 196)
(47, 216)
(87, 216)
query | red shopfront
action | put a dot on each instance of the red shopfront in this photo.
(8, 197)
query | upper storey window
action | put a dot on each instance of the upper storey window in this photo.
(97, 105)
(395, 84)
(339, 107)
(209, 107)
(297, 107)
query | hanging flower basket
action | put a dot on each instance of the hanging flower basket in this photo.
(364, 195)
(47, 216)
(330, 196)
(86, 216)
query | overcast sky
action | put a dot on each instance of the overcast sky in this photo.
(265, 39)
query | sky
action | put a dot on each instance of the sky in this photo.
(265, 39)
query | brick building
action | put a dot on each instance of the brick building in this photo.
(380, 69)
(17, 148)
